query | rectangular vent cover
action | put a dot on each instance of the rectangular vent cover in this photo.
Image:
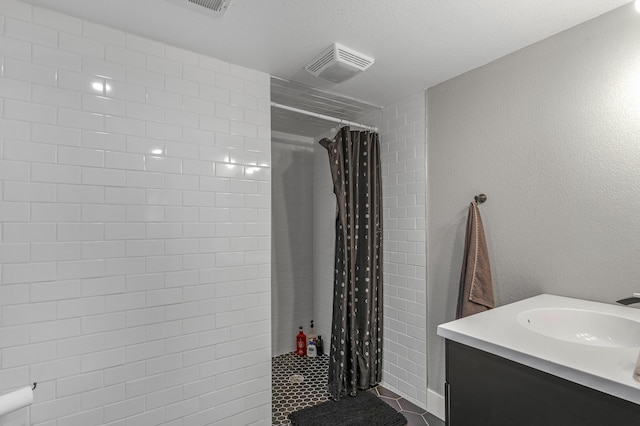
(210, 7)
(338, 63)
(218, 6)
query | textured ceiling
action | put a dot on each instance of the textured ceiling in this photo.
(416, 43)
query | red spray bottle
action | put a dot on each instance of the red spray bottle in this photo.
(301, 343)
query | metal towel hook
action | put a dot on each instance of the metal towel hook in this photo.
(480, 198)
(34, 385)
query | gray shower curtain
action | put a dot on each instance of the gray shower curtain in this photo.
(355, 359)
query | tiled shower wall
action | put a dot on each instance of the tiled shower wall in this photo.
(403, 148)
(292, 242)
(135, 239)
(324, 234)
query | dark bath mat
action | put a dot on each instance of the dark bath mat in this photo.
(364, 409)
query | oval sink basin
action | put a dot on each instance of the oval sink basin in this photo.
(584, 327)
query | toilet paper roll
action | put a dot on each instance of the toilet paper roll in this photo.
(15, 400)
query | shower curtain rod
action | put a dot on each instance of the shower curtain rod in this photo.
(325, 117)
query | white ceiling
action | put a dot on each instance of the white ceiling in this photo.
(416, 43)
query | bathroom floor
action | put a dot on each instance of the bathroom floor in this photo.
(300, 382)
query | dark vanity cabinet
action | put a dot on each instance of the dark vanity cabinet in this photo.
(483, 389)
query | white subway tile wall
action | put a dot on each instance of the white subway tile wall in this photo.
(135, 228)
(403, 152)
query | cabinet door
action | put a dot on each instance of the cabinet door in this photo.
(484, 389)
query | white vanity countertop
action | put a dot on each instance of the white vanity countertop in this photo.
(497, 331)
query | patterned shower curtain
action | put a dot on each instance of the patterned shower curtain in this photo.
(355, 360)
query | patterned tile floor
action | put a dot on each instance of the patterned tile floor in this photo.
(288, 393)
(300, 382)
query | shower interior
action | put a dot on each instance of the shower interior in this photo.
(303, 208)
(303, 216)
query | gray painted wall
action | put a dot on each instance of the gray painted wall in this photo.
(551, 134)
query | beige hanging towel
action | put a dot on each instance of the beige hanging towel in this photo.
(476, 289)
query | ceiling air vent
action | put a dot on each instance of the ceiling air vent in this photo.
(211, 7)
(338, 63)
